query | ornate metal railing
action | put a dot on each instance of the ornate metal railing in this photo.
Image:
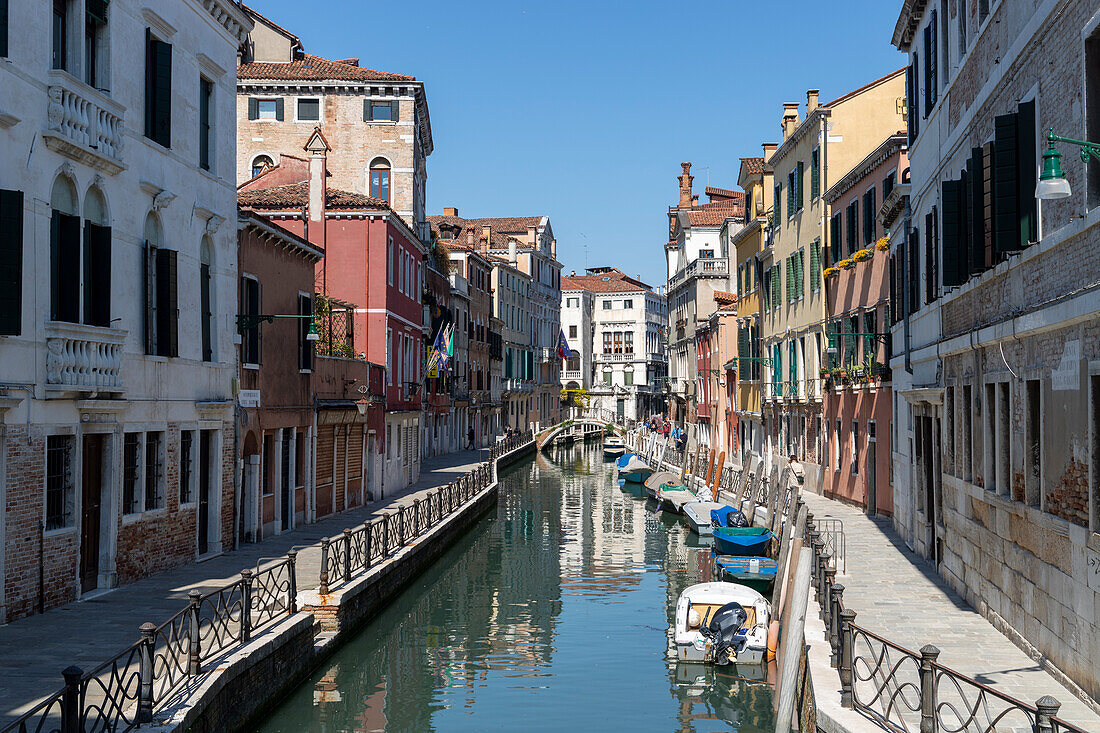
(905, 690)
(121, 693)
(358, 549)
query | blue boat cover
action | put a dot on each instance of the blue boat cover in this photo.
(727, 516)
(624, 459)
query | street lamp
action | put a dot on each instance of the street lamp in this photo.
(248, 321)
(1052, 181)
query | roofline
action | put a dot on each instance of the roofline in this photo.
(892, 144)
(912, 11)
(252, 11)
(741, 234)
(249, 218)
(337, 213)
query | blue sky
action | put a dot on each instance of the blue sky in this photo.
(583, 111)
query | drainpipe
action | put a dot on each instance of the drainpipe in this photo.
(905, 286)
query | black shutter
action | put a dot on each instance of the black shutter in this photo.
(205, 314)
(1006, 223)
(279, 108)
(834, 241)
(253, 108)
(903, 308)
(893, 288)
(149, 280)
(1025, 173)
(930, 274)
(305, 346)
(11, 253)
(158, 90)
(97, 275)
(913, 275)
(953, 234)
(64, 268)
(206, 90)
(930, 73)
(872, 212)
(975, 211)
(167, 309)
(914, 105)
(3, 30)
(910, 118)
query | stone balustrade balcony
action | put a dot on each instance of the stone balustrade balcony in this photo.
(83, 358)
(83, 123)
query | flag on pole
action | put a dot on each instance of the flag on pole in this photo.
(563, 347)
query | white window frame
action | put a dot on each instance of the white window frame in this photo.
(320, 109)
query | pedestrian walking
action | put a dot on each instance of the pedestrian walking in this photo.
(469, 438)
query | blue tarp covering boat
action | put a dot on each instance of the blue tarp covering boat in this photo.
(727, 516)
(757, 573)
(742, 540)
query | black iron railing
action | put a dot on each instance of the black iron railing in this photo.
(358, 549)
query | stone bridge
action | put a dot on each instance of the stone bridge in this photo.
(570, 431)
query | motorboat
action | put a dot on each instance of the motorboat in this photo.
(699, 514)
(633, 468)
(727, 516)
(674, 497)
(613, 447)
(653, 483)
(721, 623)
(750, 541)
(757, 573)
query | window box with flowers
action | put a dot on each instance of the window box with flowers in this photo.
(862, 255)
(883, 244)
(830, 272)
(846, 264)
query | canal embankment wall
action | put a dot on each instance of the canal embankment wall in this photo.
(241, 688)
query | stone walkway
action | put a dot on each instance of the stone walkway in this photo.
(899, 595)
(34, 650)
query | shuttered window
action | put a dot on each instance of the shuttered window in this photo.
(250, 307)
(777, 286)
(790, 278)
(305, 346)
(167, 308)
(911, 87)
(869, 218)
(852, 225)
(11, 259)
(893, 287)
(792, 367)
(975, 221)
(3, 27)
(953, 233)
(834, 249)
(205, 313)
(158, 90)
(97, 275)
(1014, 162)
(815, 265)
(800, 174)
(930, 51)
(206, 96)
(778, 199)
(791, 194)
(931, 250)
(64, 268)
(913, 274)
(815, 174)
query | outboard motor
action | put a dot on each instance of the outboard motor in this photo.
(722, 631)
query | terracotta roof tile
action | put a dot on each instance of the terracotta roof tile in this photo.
(295, 196)
(752, 166)
(502, 228)
(722, 194)
(609, 281)
(315, 68)
(713, 217)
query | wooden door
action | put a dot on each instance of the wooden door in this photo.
(204, 492)
(91, 506)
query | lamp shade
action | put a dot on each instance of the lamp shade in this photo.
(311, 334)
(1052, 188)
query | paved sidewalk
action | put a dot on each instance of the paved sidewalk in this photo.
(34, 650)
(899, 595)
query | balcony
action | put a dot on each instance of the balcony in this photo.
(629, 356)
(518, 385)
(570, 375)
(546, 354)
(83, 358)
(84, 123)
(701, 267)
(658, 358)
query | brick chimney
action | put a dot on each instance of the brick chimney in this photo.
(318, 148)
(811, 100)
(449, 211)
(694, 199)
(685, 184)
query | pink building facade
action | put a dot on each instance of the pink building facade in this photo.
(857, 407)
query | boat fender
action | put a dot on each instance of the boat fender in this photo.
(773, 639)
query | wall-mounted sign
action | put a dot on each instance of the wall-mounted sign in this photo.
(249, 398)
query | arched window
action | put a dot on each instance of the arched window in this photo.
(97, 259)
(380, 179)
(64, 252)
(206, 305)
(261, 163)
(159, 279)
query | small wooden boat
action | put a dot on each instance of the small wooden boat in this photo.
(613, 447)
(757, 573)
(751, 541)
(673, 497)
(721, 623)
(698, 515)
(653, 483)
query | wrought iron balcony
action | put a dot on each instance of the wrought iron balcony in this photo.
(83, 123)
(83, 358)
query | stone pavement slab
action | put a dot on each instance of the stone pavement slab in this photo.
(898, 595)
(34, 650)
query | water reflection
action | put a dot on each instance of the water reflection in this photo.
(551, 614)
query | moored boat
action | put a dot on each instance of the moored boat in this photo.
(751, 541)
(633, 468)
(673, 497)
(653, 483)
(757, 573)
(721, 623)
(698, 514)
(613, 447)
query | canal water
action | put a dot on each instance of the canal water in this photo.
(551, 614)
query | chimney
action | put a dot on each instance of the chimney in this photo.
(694, 199)
(790, 118)
(450, 211)
(685, 184)
(470, 238)
(487, 234)
(769, 150)
(512, 251)
(811, 100)
(318, 149)
(532, 235)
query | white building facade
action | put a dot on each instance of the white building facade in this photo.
(118, 274)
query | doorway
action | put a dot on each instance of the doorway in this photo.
(203, 518)
(91, 510)
(871, 480)
(285, 490)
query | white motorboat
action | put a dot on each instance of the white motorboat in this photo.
(698, 515)
(613, 447)
(721, 623)
(653, 483)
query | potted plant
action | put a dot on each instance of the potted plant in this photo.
(846, 264)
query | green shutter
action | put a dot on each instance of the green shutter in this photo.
(1027, 161)
(97, 275)
(802, 271)
(1006, 222)
(778, 199)
(167, 322)
(65, 268)
(833, 247)
(366, 110)
(792, 366)
(952, 240)
(975, 211)
(3, 29)
(791, 186)
(815, 174)
(801, 173)
(11, 259)
(279, 108)
(815, 266)
(253, 108)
